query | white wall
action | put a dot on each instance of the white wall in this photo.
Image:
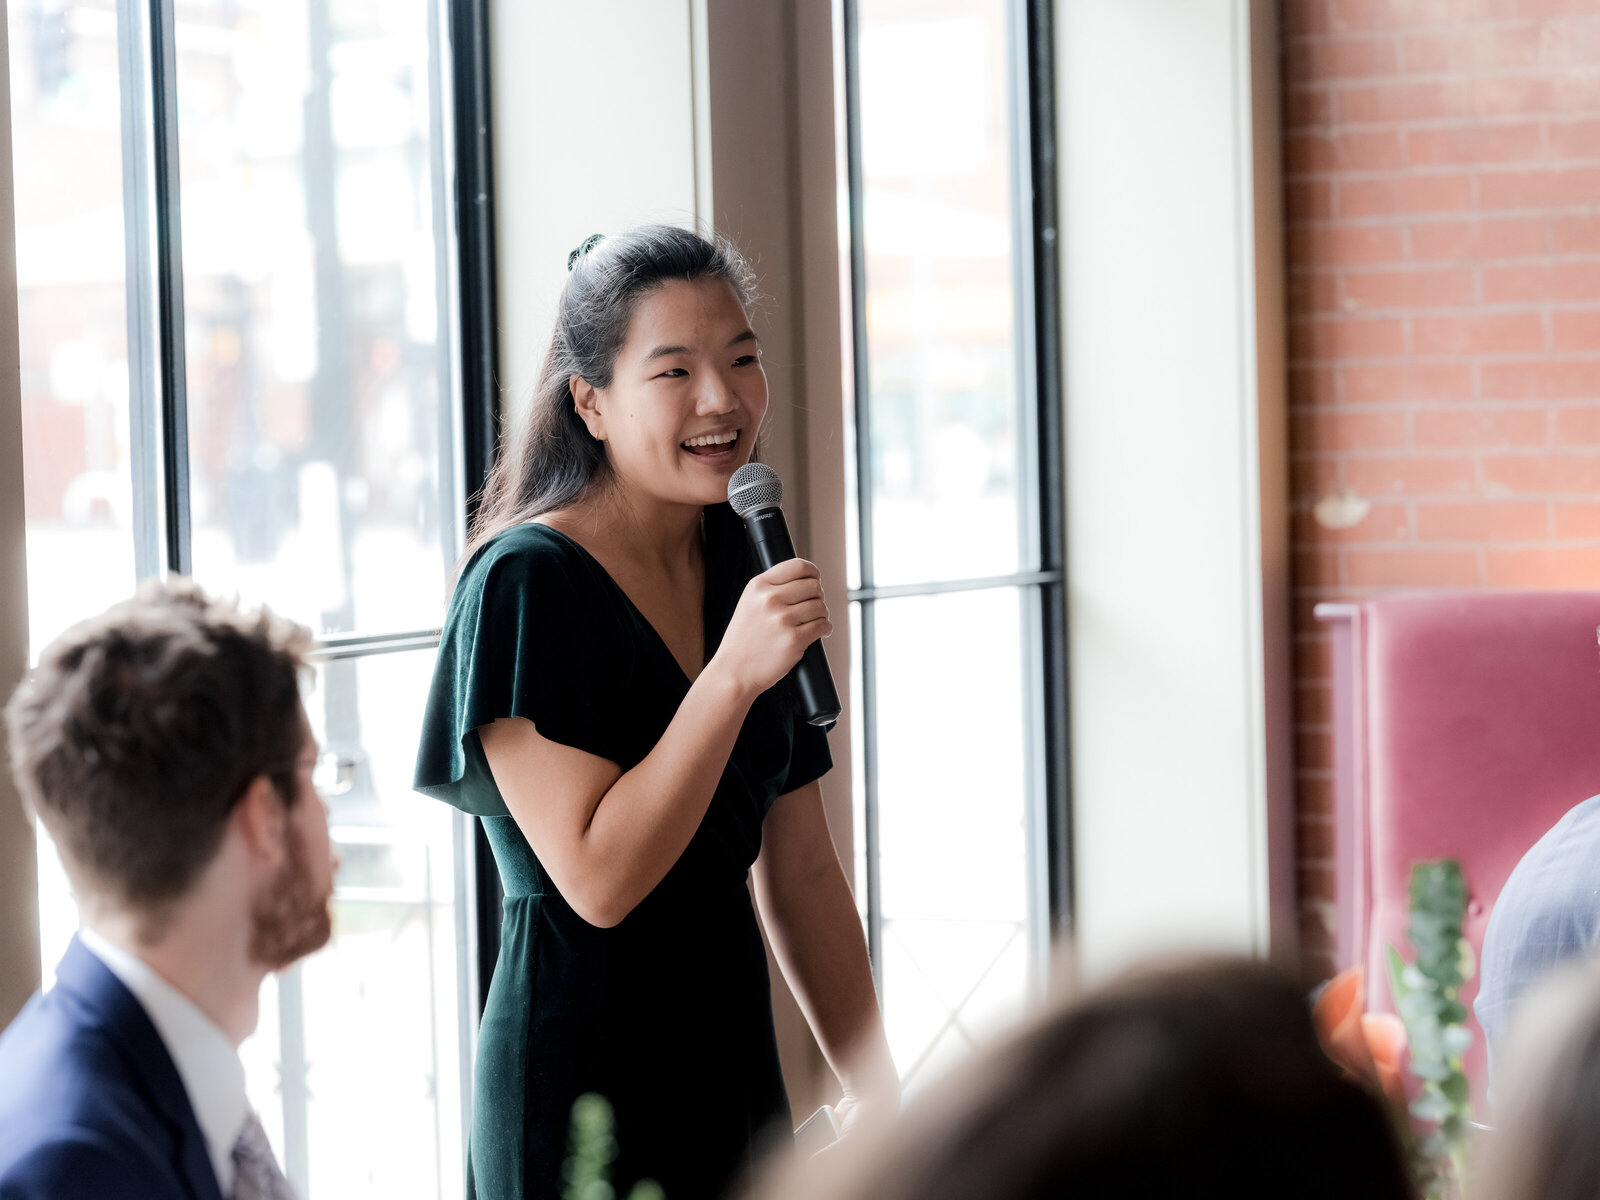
(594, 130)
(1176, 585)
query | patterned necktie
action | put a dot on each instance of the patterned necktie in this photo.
(257, 1176)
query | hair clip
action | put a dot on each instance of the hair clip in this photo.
(588, 244)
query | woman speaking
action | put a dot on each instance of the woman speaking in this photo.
(606, 699)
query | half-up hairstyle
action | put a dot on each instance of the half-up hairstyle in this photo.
(555, 461)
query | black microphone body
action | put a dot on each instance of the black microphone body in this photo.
(811, 678)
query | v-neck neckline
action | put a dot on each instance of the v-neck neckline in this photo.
(638, 612)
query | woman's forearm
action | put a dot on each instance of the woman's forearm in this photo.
(816, 935)
(644, 821)
(607, 837)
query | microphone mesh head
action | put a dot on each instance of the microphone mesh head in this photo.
(752, 486)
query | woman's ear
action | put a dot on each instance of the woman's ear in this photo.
(585, 401)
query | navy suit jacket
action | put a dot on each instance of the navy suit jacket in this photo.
(91, 1104)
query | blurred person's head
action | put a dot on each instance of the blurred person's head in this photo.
(670, 287)
(164, 746)
(1204, 1078)
(1547, 1094)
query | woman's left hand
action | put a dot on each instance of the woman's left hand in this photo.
(848, 1111)
(853, 1112)
(856, 1109)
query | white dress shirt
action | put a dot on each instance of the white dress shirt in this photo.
(207, 1061)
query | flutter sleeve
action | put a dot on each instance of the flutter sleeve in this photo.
(809, 757)
(520, 640)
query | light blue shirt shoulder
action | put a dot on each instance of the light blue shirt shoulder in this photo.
(1548, 912)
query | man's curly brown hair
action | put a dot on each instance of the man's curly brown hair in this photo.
(140, 729)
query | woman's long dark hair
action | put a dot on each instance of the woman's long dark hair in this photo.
(556, 461)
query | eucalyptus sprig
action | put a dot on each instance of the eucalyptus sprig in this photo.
(592, 1148)
(1427, 994)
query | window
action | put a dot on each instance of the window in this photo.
(243, 359)
(956, 591)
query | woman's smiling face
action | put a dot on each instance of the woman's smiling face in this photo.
(686, 397)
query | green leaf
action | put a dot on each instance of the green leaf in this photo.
(1398, 985)
(1427, 997)
(591, 1149)
(1430, 1106)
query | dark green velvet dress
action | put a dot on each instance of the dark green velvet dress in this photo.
(668, 1014)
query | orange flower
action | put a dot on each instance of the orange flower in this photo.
(1369, 1046)
(1385, 1035)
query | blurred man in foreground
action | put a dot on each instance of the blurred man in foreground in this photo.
(164, 746)
(1180, 1078)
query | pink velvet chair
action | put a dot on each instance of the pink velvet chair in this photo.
(1464, 725)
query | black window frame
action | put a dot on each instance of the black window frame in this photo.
(152, 189)
(480, 367)
(158, 402)
(1036, 270)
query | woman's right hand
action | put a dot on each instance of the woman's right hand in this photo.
(780, 613)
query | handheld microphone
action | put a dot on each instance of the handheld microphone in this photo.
(756, 494)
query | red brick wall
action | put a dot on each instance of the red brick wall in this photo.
(1442, 175)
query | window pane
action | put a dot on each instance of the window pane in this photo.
(321, 404)
(318, 374)
(951, 754)
(72, 310)
(73, 327)
(356, 1065)
(936, 172)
